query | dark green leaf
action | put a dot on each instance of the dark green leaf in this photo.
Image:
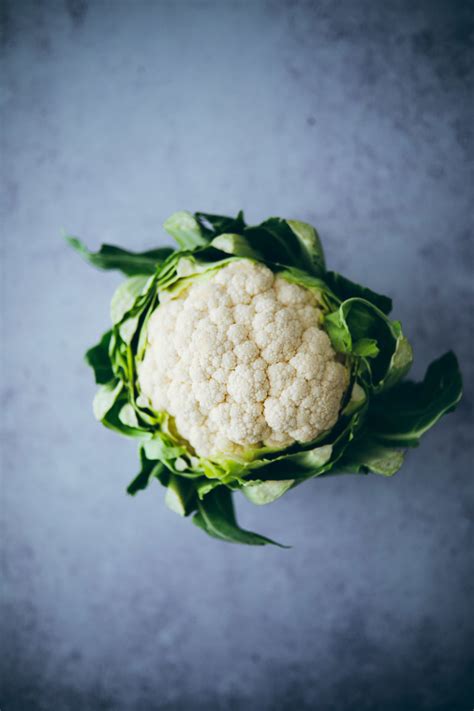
(216, 516)
(199, 521)
(346, 289)
(129, 263)
(403, 414)
(149, 470)
(215, 225)
(98, 359)
(277, 242)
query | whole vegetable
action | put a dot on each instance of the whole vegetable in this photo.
(241, 363)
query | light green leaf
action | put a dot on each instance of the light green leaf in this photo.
(236, 245)
(311, 246)
(367, 455)
(126, 295)
(186, 230)
(112, 420)
(204, 486)
(179, 495)
(327, 300)
(266, 491)
(400, 362)
(356, 400)
(312, 458)
(128, 328)
(161, 447)
(187, 269)
(105, 398)
(128, 416)
(366, 347)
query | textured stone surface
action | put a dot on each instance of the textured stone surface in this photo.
(354, 116)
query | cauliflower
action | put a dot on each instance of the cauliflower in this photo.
(240, 361)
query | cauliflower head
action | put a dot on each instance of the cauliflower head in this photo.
(240, 360)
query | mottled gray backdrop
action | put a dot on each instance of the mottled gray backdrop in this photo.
(355, 116)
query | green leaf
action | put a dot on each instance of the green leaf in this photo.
(294, 465)
(403, 414)
(199, 521)
(346, 289)
(265, 492)
(105, 398)
(366, 347)
(216, 516)
(119, 418)
(237, 245)
(401, 360)
(204, 486)
(357, 399)
(367, 455)
(312, 248)
(277, 242)
(179, 495)
(128, 328)
(149, 470)
(98, 359)
(125, 297)
(286, 242)
(215, 225)
(186, 230)
(320, 289)
(187, 267)
(128, 416)
(174, 455)
(360, 328)
(129, 263)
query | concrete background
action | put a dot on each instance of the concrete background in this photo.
(355, 116)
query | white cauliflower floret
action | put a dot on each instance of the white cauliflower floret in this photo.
(240, 361)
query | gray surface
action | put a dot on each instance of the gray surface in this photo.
(115, 114)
